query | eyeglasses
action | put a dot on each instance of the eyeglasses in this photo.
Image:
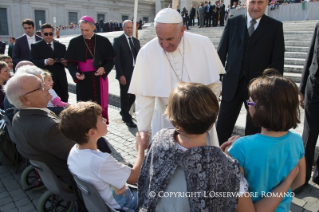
(41, 88)
(46, 34)
(250, 103)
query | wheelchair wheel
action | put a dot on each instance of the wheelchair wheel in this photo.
(59, 205)
(30, 179)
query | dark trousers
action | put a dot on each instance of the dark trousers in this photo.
(229, 111)
(221, 20)
(60, 86)
(185, 22)
(311, 125)
(191, 21)
(207, 20)
(127, 101)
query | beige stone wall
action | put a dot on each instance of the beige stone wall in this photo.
(113, 10)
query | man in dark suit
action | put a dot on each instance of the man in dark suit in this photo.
(222, 13)
(12, 41)
(101, 24)
(192, 16)
(35, 128)
(21, 49)
(140, 24)
(49, 54)
(309, 98)
(126, 48)
(251, 43)
(207, 17)
(2, 47)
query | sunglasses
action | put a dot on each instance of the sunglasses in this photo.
(47, 34)
(250, 103)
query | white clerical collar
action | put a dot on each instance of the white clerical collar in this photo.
(32, 37)
(249, 19)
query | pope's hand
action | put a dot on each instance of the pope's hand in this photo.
(123, 80)
(144, 137)
(79, 76)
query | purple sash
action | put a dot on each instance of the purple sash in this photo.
(87, 66)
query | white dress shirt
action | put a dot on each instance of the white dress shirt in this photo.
(31, 40)
(249, 19)
(52, 46)
(128, 41)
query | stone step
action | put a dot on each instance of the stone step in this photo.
(296, 49)
(300, 43)
(296, 77)
(294, 61)
(293, 68)
(302, 55)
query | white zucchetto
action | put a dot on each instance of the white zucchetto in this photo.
(168, 16)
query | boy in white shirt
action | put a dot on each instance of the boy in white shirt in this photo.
(83, 123)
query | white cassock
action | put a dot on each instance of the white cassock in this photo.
(153, 78)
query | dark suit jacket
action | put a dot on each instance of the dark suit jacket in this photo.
(10, 50)
(41, 51)
(222, 9)
(311, 64)
(124, 61)
(2, 47)
(38, 138)
(21, 50)
(267, 50)
(192, 13)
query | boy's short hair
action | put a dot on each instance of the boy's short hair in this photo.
(28, 22)
(276, 102)
(192, 106)
(78, 119)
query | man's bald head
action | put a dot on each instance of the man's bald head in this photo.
(24, 63)
(26, 90)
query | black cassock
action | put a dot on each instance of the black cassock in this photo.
(101, 48)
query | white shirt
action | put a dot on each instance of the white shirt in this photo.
(249, 19)
(52, 46)
(100, 169)
(31, 40)
(128, 41)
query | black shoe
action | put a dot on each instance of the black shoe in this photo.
(299, 189)
(130, 124)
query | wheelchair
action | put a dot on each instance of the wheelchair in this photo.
(56, 198)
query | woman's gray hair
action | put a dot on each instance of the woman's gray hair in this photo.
(14, 90)
(30, 70)
(86, 22)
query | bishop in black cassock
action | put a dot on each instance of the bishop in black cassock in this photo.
(90, 59)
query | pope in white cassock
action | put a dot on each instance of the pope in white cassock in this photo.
(173, 56)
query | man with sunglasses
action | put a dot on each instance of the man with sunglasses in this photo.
(49, 54)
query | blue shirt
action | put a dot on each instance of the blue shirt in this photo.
(267, 161)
